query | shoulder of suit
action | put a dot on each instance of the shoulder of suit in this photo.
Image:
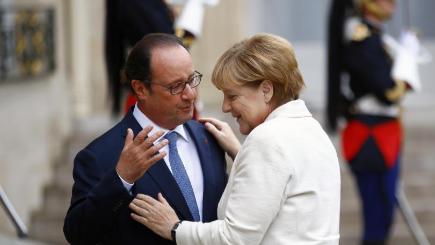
(194, 124)
(356, 30)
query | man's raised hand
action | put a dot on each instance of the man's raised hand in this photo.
(139, 154)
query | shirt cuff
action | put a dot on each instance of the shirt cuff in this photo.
(126, 185)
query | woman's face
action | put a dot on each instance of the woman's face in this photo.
(249, 105)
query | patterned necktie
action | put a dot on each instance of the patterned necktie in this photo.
(180, 175)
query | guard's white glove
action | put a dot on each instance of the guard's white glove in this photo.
(405, 66)
(410, 42)
(191, 17)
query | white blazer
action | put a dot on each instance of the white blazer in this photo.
(284, 187)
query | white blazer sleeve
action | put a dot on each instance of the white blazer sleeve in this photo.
(255, 196)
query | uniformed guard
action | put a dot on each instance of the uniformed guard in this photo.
(366, 83)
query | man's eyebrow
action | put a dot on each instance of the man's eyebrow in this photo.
(181, 80)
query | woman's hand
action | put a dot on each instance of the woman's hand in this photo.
(223, 134)
(157, 215)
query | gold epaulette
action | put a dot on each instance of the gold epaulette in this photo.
(179, 32)
(187, 39)
(360, 32)
(187, 42)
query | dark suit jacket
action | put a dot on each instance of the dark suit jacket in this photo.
(99, 212)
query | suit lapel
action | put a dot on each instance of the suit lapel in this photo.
(161, 175)
(130, 122)
(199, 137)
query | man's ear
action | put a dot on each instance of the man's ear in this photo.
(267, 89)
(139, 89)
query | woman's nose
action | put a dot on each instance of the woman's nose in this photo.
(226, 106)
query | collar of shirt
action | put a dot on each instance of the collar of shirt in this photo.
(144, 121)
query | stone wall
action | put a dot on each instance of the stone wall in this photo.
(35, 121)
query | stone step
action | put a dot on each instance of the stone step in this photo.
(56, 201)
(47, 229)
(418, 200)
(351, 218)
(350, 226)
(344, 240)
(350, 231)
(47, 223)
(63, 175)
(5, 240)
(414, 191)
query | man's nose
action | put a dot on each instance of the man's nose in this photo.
(188, 92)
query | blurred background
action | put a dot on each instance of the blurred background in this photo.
(54, 99)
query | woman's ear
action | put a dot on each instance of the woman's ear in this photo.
(139, 89)
(267, 89)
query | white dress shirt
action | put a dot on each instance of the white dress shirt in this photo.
(187, 151)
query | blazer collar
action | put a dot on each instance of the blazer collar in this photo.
(294, 108)
(130, 122)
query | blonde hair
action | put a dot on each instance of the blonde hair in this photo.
(261, 57)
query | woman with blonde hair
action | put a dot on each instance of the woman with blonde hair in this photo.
(284, 185)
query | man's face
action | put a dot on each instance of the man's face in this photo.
(169, 65)
(381, 10)
(388, 7)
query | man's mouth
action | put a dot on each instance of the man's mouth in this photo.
(186, 108)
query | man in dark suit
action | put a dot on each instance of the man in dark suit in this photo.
(115, 167)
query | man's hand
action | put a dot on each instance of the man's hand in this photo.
(139, 154)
